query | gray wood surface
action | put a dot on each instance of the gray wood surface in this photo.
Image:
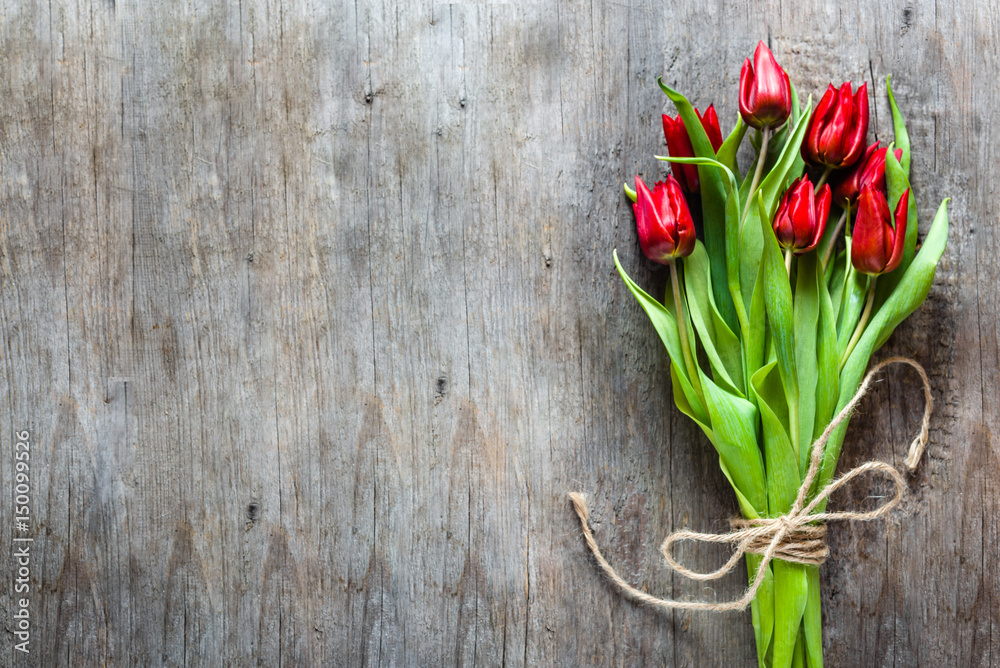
(310, 311)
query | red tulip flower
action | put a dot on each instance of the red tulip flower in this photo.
(765, 92)
(877, 247)
(869, 169)
(663, 220)
(679, 145)
(836, 134)
(802, 215)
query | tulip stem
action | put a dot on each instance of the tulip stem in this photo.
(761, 159)
(682, 328)
(822, 179)
(788, 262)
(833, 239)
(861, 324)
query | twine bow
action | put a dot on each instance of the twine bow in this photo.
(796, 536)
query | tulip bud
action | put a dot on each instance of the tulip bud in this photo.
(801, 217)
(869, 169)
(663, 220)
(679, 145)
(765, 92)
(877, 246)
(837, 130)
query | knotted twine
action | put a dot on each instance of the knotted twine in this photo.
(796, 536)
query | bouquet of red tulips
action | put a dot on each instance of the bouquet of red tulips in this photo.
(807, 264)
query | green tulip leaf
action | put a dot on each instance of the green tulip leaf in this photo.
(762, 607)
(771, 187)
(838, 274)
(721, 346)
(893, 311)
(732, 234)
(828, 370)
(685, 399)
(713, 201)
(775, 146)
(778, 302)
(665, 324)
(902, 137)
(896, 184)
(729, 182)
(757, 336)
(631, 194)
(727, 152)
(805, 322)
(828, 234)
(782, 462)
(798, 164)
(791, 591)
(746, 507)
(748, 181)
(855, 292)
(773, 184)
(734, 423)
(796, 105)
(908, 296)
(812, 622)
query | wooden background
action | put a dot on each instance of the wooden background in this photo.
(310, 310)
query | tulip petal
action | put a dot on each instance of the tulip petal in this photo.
(848, 187)
(746, 85)
(811, 147)
(868, 248)
(896, 185)
(899, 234)
(838, 129)
(647, 222)
(710, 121)
(663, 221)
(679, 146)
(831, 139)
(801, 218)
(902, 137)
(665, 214)
(784, 231)
(801, 211)
(822, 213)
(772, 100)
(765, 91)
(855, 140)
(683, 224)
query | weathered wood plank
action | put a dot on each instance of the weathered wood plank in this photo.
(310, 311)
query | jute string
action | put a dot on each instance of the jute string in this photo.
(796, 536)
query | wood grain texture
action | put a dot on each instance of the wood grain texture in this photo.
(309, 308)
